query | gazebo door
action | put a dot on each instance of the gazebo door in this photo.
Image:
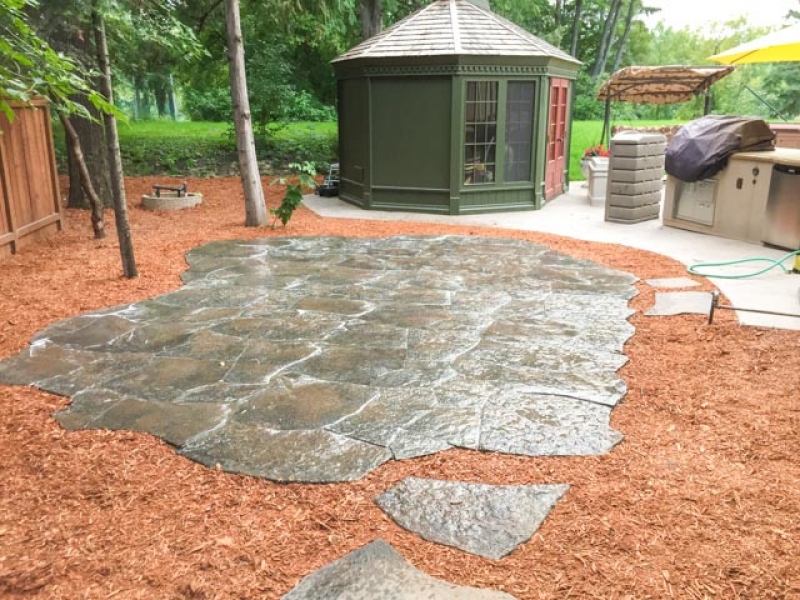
(556, 138)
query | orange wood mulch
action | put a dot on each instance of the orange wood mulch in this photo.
(700, 500)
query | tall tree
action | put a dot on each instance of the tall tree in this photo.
(606, 38)
(633, 9)
(371, 13)
(576, 28)
(79, 162)
(112, 144)
(67, 29)
(255, 207)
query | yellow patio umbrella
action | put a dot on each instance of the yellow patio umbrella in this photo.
(779, 46)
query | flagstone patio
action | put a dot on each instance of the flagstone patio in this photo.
(317, 359)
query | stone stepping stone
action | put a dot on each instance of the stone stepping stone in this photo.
(680, 303)
(378, 571)
(672, 282)
(487, 520)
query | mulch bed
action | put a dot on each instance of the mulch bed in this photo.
(700, 500)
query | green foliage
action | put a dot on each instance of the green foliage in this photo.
(304, 172)
(587, 106)
(782, 83)
(30, 67)
(318, 145)
(203, 149)
(287, 62)
(212, 104)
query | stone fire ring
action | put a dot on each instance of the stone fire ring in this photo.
(165, 202)
(317, 359)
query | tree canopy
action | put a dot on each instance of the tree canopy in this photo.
(30, 67)
(176, 49)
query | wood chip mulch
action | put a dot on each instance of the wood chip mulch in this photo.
(700, 500)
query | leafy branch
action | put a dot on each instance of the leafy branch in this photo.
(304, 172)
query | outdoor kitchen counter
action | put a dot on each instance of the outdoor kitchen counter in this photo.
(732, 204)
(783, 156)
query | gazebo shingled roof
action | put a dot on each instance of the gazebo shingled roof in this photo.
(453, 27)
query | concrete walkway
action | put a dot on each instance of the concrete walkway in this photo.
(571, 215)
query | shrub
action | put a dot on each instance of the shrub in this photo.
(208, 105)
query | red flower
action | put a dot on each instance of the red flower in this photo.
(598, 150)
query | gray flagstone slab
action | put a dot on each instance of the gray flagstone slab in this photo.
(377, 571)
(487, 520)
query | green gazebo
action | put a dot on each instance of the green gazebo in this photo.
(454, 110)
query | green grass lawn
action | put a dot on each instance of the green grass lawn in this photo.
(586, 134)
(204, 130)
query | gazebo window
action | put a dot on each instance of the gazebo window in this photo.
(483, 119)
(480, 132)
(519, 130)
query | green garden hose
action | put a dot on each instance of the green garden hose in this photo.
(695, 269)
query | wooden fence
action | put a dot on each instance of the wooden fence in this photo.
(30, 205)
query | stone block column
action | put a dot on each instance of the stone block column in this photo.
(634, 178)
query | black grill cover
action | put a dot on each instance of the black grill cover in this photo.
(701, 148)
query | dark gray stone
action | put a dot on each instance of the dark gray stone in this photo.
(173, 423)
(487, 520)
(311, 456)
(319, 358)
(378, 571)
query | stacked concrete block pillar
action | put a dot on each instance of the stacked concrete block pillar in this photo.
(635, 177)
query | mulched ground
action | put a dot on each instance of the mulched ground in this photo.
(701, 499)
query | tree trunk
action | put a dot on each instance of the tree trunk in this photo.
(112, 144)
(559, 12)
(93, 142)
(632, 4)
(137, 101)
(576, 28)
(606, 38)
(160, 92)
(76, 158)
(371, 18)
(255, 207)
(171, 104)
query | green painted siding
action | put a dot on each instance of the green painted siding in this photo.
(353, 138)
(496, 199)
(416, 200)
(410, 135)
(402, 133)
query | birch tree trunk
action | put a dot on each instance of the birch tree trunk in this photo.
(74, 146)
(112, 145)
(606, 38)
(255, 207)
(576, 28)
(623, 41)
